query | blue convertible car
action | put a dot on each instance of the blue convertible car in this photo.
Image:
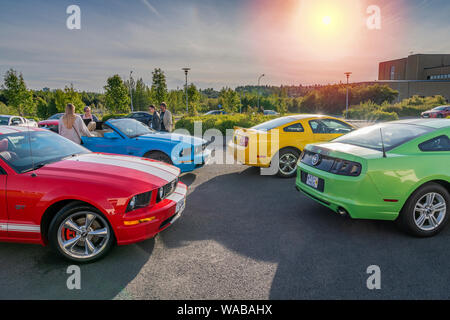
(131, 137)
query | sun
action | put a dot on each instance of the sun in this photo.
(326, 20)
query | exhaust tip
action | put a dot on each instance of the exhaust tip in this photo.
(342, 212)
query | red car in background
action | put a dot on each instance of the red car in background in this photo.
(438, 112)
(55, 192)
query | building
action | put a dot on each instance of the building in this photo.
(419, 74)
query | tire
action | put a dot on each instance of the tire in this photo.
(159, 156)
(93, 243)
(418, 217)
(440, 116)
(287, 165)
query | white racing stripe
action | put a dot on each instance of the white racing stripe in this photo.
(20, 227)
(127, 162)
(179, 193)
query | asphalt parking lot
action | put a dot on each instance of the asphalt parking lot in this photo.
(244, 236)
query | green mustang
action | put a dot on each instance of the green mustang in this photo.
(392, 171)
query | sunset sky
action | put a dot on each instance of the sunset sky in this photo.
(226, 43)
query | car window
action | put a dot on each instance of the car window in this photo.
(4, 121)
(131, 128)
(394, 135)
(329, 126)
(294, 128)
(441, 143)
(272, 124)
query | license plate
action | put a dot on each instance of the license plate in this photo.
(180, 205)
(312, 181)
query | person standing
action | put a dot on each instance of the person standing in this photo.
(166, 118)
(71, 126)
(155, 122)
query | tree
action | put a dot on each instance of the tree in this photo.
(194, 97)
(116, 95)
(159, 86)
(17, 94)
(229, 99)
(141, 96)
(282, 105)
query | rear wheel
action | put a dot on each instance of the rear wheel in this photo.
(287, 165)
(426, 211)
(159, 156)
(81, 234)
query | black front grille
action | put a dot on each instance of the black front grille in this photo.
(168, 189)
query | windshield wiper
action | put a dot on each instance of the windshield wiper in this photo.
(36, 167)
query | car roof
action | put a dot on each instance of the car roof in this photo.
(15, 129)
(296, 117)
(7, 115)
(432, 123)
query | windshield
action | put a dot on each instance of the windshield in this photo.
(46, 147)
(4, 121)
(131, 128)
(272, 124)
(440, 108)
(394, 135)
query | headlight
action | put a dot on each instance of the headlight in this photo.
(161, 193)
(139, 201)
(186, 152)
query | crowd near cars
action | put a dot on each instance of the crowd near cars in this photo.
(122, 184)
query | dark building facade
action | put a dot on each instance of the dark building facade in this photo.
(419, 74)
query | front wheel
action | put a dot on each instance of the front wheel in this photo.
(287, 165)
(80, 234)
(159, 156)
(426, 211)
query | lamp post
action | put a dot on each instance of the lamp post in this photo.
(186, 71)
(131, 91)
(259, 82)
(347, 74)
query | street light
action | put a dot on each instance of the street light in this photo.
(186, 71)
(347, 74)
(131, 91)
(259, 82)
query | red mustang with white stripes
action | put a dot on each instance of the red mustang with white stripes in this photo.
(53, 191)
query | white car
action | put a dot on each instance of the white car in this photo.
(8, 120)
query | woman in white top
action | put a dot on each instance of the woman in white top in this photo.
(71, 126)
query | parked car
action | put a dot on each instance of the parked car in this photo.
(79, 202)
(390, 171)
(141, 116)
(271, 113)
(284, 137)
(8, 120)
(52, 122)
(131, 137)
(438, 112)
(215, 112)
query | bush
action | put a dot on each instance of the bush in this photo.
(113, 116)
(222, 122)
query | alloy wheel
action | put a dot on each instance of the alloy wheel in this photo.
(288, 164)
(83, 235)
(430, 211)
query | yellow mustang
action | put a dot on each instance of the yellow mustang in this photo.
(285, 138)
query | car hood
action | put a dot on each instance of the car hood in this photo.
(113, 170)
(49, 122)
(343, 150)
(174, 137)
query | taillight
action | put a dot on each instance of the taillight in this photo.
(243, 141)
(346, 168)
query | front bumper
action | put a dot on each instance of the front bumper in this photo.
(157, 218)
(356, 195)
(198, 161)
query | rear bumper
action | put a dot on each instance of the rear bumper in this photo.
(162, 216)
(356, 195)
(244, 156)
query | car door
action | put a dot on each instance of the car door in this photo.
(328, 129)
(110, 141)
(3, 209)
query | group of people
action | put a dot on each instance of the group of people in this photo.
(73, 126)
(161, 121)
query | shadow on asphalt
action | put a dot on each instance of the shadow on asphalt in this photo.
(319, 254)
(35, 272)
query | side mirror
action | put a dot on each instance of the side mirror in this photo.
(111, 135)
